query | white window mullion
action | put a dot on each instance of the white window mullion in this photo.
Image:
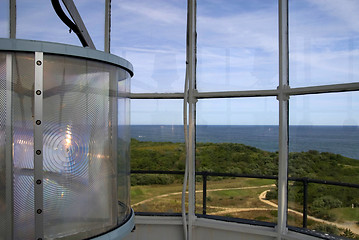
(283, 118)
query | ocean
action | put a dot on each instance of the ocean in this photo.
(342, 140)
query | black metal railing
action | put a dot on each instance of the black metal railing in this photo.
(205, 175)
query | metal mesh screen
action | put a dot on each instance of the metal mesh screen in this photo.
(3, 118)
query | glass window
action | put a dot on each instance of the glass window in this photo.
(4, 19)
(157, 144)
(152, 36)
(93, 15)
(237, 136)
(325, 123)
(123, 145)
(237, 45)
(324, 140)
(323, 55)
(37, 20)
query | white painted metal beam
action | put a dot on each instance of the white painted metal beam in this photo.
(156, 95)
(343, 87)
(283, 118)
(237, 94)
(191, 53)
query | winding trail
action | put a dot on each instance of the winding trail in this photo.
(199, 191)
(351, 225)
(262, 197)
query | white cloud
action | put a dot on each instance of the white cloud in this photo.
(323, 42)
(343, 11)
(159, 11)
(255, 29)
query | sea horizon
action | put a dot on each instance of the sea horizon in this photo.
(339, 139)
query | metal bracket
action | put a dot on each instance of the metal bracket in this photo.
(38, 145)
(192, 97)
(283, 93)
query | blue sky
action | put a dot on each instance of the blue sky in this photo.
(237, 50)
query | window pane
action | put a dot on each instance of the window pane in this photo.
(324, 140)
(237, 136)
(37, 20)
(93, 15)
(157, 144)
(237, 45)
(325, 123)
(4, 19)
(323, 55)
(152, 36)
(123, 145)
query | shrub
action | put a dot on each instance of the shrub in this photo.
(348, 233)
(262, 218)
(148, 179)
(272, 194)
(326, 228)
(326, 202)
(324, 214)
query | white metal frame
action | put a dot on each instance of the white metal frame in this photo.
(283, 118)
(283, 93)
(191, 67)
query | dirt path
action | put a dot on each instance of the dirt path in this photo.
(199, 191)
(351, 225)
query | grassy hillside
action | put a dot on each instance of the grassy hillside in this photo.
(331, 203)
(239, 158)
(242, 159)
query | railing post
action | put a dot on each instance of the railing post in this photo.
(204, 176)
(305, 201)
